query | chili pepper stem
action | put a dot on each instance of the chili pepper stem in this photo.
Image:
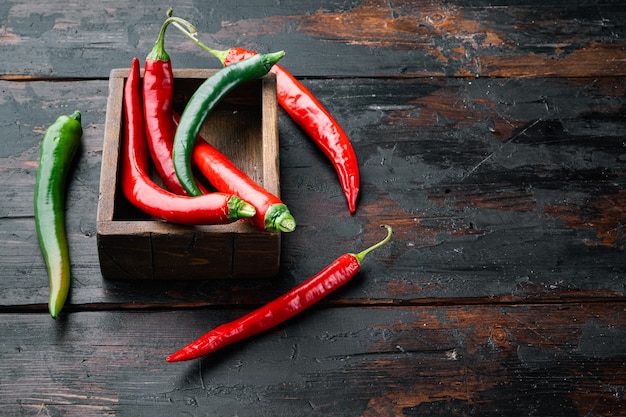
(240, 209)
(158, 51)
(359, 256)
(220, 55)
(279, 219)
(286, 222)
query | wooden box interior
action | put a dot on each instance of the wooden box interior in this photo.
(132, 245)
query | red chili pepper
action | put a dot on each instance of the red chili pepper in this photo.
(281, 309)
(158, 99)
(306, 110)
(272, 214)
(145, 194)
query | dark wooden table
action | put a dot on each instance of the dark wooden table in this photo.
(492, 137)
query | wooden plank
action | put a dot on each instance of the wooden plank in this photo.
(507, 189)
(557, 360)
(366, 38)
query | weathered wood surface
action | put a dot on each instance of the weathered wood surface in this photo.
(490, 135)
(526, 360)
(369, 37)
(496, 188)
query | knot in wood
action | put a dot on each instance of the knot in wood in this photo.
(499, 336)
(436, 18)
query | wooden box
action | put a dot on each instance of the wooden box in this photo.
(132, 245)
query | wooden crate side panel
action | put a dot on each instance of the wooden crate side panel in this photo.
(256, 255)
(192, 255)
(271, 148)
(127, 257)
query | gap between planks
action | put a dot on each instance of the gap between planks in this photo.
(354, 303)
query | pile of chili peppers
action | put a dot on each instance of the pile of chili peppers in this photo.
(153, 130)
(174, 144)
(271, 214)
(307, 111)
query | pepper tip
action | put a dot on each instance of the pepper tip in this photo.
(273, 57)
(54, 313)
(174, 357)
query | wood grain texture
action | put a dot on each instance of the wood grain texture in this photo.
(495, 188)
(489, 134)
(525, 360)
(369, 37)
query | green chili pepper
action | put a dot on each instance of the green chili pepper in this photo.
(203, 101)
(58, 148)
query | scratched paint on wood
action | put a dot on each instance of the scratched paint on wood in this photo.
(488, 183)
(563, 359)
(371, 37)
(490, 135)
(461, 41)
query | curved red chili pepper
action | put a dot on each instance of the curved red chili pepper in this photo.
(272, 214)
(306, 110)
(145, 194)
(158, 103)
(158, 93)
(281, 309)
(309, 114)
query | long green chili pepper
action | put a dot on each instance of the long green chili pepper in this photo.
(58, 149)
(203, 101)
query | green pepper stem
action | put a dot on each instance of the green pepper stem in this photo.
(279, 219)
(359, 256)
(76, 116)
(158, 52)
(193, 35)
(240, 209)
(285, 222)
